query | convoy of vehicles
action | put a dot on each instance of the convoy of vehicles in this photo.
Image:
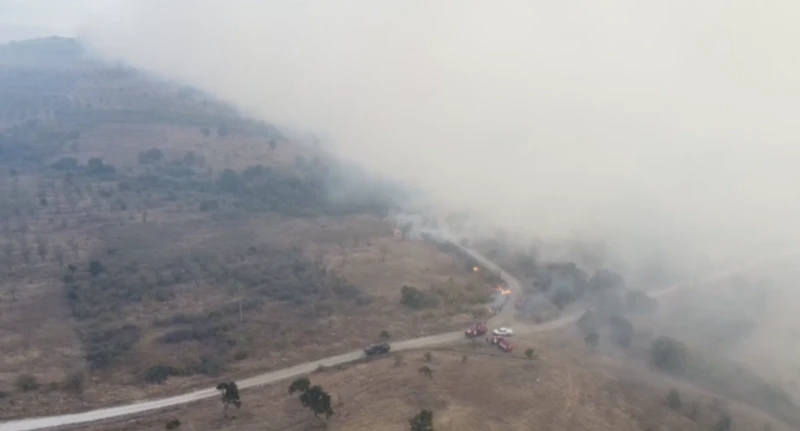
(377, 349)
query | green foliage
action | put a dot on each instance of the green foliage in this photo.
(160, 373)
(668, 354)
(96, 268)
(423, 421)
(27, 382)
(674, 399)
(74, 381)
(299, 385)
(622, 331)
(385, 335)
(105, 346)
(230, 394)
(412, 297)
(724, 423)
(153, 155)
(319, 401)
(529, 353)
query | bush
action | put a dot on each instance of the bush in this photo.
(160, 373)
(27, 382)
(74, 381)
(668, 354)
(621, 331)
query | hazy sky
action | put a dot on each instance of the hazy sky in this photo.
(671, 121)
(23, 19)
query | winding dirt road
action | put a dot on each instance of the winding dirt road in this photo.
(306, 368)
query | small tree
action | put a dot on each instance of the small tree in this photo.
(319, 401)
(529, 353)
(428, 356)
(230, 396)
(464, 359)
(41, 247)
(96, 268)
(398, 360)
(674, 399)
(668, 354)
(423, 421)
(299, 385)
(426, 371)
(592, 340)
(724, 423)
(385, 335)
(27, 382)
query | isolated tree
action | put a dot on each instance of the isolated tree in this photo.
(230, 395)
(96, 268)
(724, 423)
(529, 353)
(8, 249)
(58, 253)
(301, 385)
(173, 424)
(668, 354)
(24, 248)
(674, 399)
(426, 371)
(622, 331)
(428, 356)
(464, 359)
(591, 340)
(423, 421)
(319, 401)
(398, 360)
(222, 130)
(41, 247)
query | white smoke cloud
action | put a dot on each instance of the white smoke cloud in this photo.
(636, 122)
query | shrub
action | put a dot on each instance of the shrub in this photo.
(27, 382)
(160, 373)
(668, 354)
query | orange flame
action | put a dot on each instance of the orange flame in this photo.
(475, 269)
(503, 291)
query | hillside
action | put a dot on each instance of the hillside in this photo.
(155, 239)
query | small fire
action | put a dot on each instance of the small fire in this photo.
(503, 291)
(475, 269)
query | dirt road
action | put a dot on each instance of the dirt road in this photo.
(308, 367)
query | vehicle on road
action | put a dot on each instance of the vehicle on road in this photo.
(503, 331)
(377, 349)
(500, 342)
(475, 330)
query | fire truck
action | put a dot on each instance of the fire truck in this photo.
(500, 342)
(476, 330)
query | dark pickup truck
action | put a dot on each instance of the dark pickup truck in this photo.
(377, 349)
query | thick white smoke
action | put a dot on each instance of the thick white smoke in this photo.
(636, 122)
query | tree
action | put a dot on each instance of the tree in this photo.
(58, 253)
(428, 356)
(301, 385)
(385, 335)
(423, 421)
(529, 353)
(319, 401)
(41, 247)
(591, 340)
(668, 354)
(230, 395)
(426, 371)
(222, 130)
(621, 331)
(206, 132)
(464, 359)
(27, 382)
(412, 297)
(724, 423)
(674, 399)
(152, 155)
(96, 268)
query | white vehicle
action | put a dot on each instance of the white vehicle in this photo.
(504, 332)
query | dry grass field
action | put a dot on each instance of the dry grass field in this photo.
(565, 388)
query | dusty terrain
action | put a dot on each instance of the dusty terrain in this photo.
(564, 388)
